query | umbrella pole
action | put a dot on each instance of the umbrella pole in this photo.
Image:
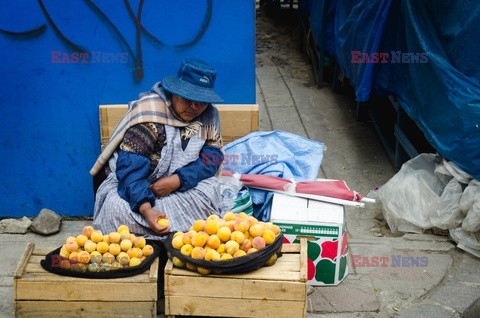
(319, 197)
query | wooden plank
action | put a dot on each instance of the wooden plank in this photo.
(24, 260)
(291, 248)
(153, 271)
(42, 250)
(84, 289)
(89, 309)
(303, 259)
(35, 259)
(109, 117)
(235, 288)
(233, 307)
(45, 276)
(236, 120)
(168, 267)
(264, 273)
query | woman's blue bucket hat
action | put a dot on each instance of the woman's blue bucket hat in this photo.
(194, 81)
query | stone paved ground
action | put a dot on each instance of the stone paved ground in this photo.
(449, 286)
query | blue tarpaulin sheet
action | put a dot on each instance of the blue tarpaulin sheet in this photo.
(430, 62)
(274, 153)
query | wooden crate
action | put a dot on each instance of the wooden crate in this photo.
(236, 120)
(38, 293)
(275, 291)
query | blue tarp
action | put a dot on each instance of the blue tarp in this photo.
(274, 153)
(431, 63)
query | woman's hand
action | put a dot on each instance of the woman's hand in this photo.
(164, 186)
(152, 215)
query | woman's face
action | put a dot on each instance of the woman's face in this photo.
(186, 109)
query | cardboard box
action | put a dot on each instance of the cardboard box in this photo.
(38, 293)
(323, 224)
(236, 120)
(279, 290)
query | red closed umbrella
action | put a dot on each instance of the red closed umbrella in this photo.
(335, 191)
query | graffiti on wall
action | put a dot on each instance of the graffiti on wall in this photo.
(135, 58)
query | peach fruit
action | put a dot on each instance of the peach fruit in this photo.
(213, 217)
(123, 258)
(199, 225)
(140, 242)
(241, 225)
(256, 230)
(163, 222)
(190, 266)
(198, 252)
(89, 246)
(199, 239)
(114, 237)
(237, 236)
(231, 247)
(187, 237)
(134, 261)
(268, 236)
(102, 247)
(64, 252)
(272, 260)
(124, 235)
(229, 216)
(178, 262)
(221, 248)
(212, 255)
(212, 226)
(226, 257)
(71, 239)
(147, 250)
(73, 257)
(203, 271)
(213, 241)
(81, 239)
(186, 249)
(122, 227)
(239, 253)
(108, 258)
(84, 257)
(96, 236)
(177, 242)
(258, 242)
(252, 250)
(114, 249)
(224, 233)
(95, 257)
(125, 245)
(71, 246)
(246, 245)
(87, 231)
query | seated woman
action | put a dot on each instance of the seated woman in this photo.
(154, 157)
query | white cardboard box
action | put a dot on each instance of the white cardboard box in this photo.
(324, 225)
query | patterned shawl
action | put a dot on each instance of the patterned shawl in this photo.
(154, 106)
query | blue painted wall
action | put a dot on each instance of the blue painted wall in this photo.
(49, 131)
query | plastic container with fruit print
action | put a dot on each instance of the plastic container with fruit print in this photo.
(234, 244)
